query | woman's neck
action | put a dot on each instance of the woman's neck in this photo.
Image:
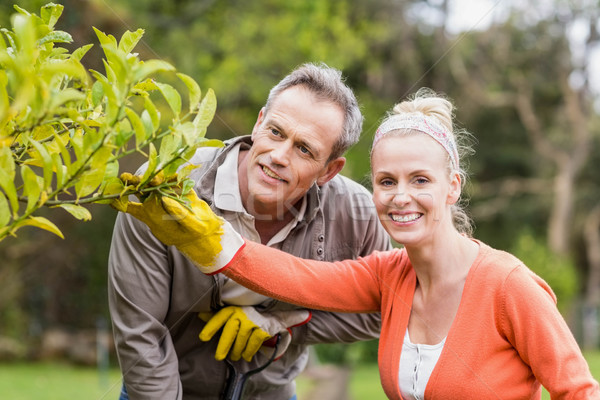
(444, 261)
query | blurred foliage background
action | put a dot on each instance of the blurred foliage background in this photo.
(520, 74)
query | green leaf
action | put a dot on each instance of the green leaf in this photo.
(147, 68)
(79, 212)
(77, 144)
(184, 172)
(72, 68)
(194, 90)
(152, 162)
(188, 131)
(43, 223)
(62, 142)
(80, 52)
(188, 184)
(32, 187)
(47, 162)
(129, 40)
(50, 13)
(97, 93)
(152, 112)
(56, 37)
(104, 39)
(65, 96)
(138, 126)
(60, 170)
(206, 112)
(172, 96)
(113, 186)
(88, 182)
(4, 211)
(169, 145)
(4, 102)
(21, 10)
(147, 121)
(7, 166)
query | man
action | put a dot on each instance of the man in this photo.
(280, 187)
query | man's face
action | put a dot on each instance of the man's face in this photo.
(292, 143)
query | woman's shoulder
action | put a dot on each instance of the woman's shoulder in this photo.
(506, 271)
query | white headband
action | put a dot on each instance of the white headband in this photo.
(422, 123)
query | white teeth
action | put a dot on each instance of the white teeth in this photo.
(405, 218)
(270, 173)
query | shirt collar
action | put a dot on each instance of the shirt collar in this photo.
(227, 195)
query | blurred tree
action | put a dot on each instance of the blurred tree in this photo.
(528, 74)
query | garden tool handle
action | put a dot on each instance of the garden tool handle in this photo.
(236, 380)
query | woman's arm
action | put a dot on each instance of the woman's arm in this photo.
(343, 286)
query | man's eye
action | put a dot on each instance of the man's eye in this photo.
(304, 150)
(275, 132)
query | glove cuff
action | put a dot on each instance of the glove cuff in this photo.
(231, 243)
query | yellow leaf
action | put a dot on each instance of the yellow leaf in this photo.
(79, 212)
(42, 223)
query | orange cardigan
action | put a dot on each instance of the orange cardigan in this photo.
(507, 338)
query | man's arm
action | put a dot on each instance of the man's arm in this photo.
(139, 290)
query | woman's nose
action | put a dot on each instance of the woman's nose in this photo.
(401, 197)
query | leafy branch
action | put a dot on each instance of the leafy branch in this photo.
(63, 129)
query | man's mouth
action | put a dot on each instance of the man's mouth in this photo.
(272, 174)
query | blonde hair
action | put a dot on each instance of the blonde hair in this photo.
(437, 106)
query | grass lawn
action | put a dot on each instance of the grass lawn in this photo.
(55, 381)
(365, 382)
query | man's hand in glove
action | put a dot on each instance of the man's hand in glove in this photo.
(245, 330)
(205, 238)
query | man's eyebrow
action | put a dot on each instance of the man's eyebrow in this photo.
(274, 124)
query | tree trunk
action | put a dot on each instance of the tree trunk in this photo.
(559, 220)
(591, 303)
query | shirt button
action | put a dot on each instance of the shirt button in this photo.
(321, 238)
(320, 251)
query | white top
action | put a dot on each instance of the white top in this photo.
(228, 200)
(416, 364)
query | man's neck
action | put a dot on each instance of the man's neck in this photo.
(268, 229)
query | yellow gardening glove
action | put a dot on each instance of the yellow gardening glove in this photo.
(205, 238)
(245, 330)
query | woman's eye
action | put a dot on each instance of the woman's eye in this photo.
(386, 182)
(421, 181)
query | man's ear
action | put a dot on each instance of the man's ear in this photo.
(331, 169)
(259, 121)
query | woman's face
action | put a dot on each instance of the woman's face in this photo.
(412, 189)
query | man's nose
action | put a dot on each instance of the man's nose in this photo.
(280, 154)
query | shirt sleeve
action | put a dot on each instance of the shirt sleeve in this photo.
(138, 294)
(543, 339)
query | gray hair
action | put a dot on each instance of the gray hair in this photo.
(327, 84)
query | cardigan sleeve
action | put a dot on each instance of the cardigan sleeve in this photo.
(343, 286)
(535, 327)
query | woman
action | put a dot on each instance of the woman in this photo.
(459, 319)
